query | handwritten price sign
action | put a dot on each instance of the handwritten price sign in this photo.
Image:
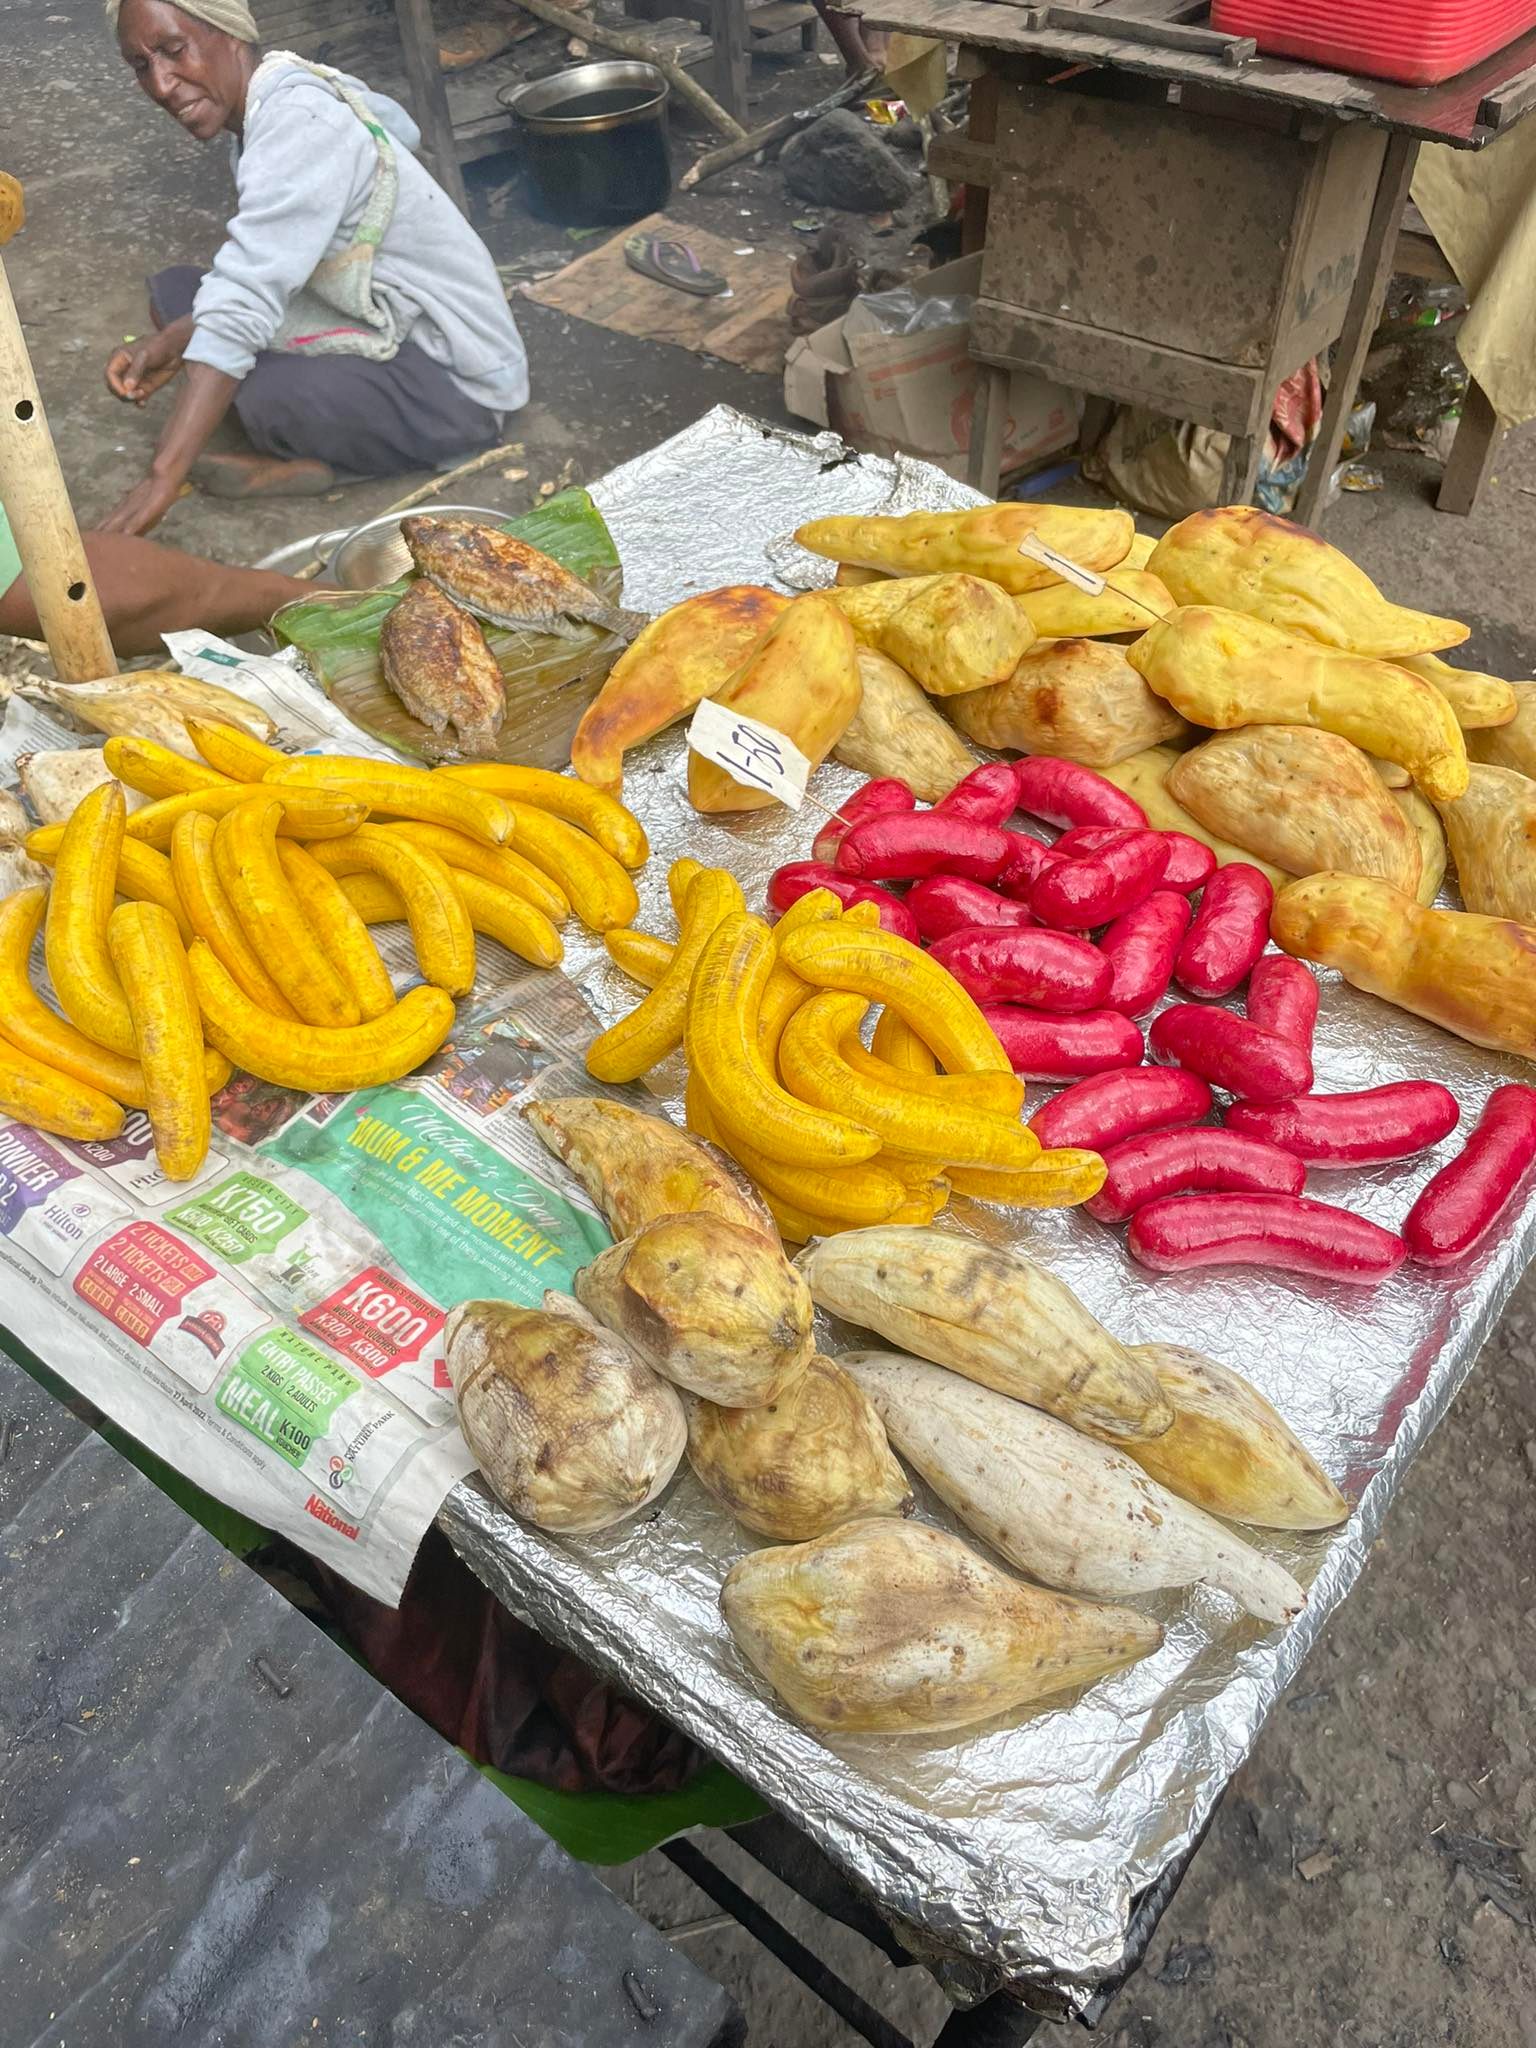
(755, 754)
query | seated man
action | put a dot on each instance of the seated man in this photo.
(147, 590)
(352, 318)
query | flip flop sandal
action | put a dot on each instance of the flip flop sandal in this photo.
(673, 263)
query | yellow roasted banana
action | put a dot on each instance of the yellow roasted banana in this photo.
(601, 893)
(499, 864)
(638, 954)
(679, 875)
(41, 1096)
(853, 1195)
(142, 874)
(394, 790)
(212, 915)
(1003, 1094)
(239, 755)
(307, 813)
(79, 904)
(28, 1024)
(1056, 1180)
(154, 770)
(151, 964)
(245, 853)
(615, 828)
(884, 969)
(317, 1059)
(342, 934)
(441, 930)
(721, 1037)
(494, 913)
(951, 1134)
(785, 991)
(654, 1027)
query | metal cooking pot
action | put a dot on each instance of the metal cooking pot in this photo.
(593, 142)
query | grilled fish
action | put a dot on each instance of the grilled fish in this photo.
(502, 579)
(436, 661)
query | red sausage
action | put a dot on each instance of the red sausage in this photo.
(1365, 1128)
(1091, 839)
(1230, 931)
(1044, 1047)
(987, 795)
(1107, 1108)
(899, 848)
(1191, 862)
(1027, 861)
(1140, 948)
(1286, 1232)
(884, 795)
(1066, 793)
(1046, 970)
(948, 903)
(1101, 886)
(1231, 1053)
(1464, 1200)
(788, 884)
(1174, 1162)
(1282, 997)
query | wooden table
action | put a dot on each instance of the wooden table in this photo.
(1169, 221)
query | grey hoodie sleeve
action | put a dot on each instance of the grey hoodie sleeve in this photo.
(296, 182)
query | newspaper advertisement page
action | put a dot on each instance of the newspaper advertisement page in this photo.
(273, 1327)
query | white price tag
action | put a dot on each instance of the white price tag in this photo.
(750, 751)
(1069, 572)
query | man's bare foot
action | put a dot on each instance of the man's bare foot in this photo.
(236, 475)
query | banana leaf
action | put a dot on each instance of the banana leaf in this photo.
(550, 681)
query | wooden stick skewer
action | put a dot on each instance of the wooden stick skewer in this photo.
(36, 499)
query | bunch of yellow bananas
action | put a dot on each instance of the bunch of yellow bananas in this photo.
(836, 1136)
(251, 882)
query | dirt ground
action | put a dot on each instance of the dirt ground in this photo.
(1370, 1879)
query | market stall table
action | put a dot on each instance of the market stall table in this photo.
(219, 1826)
(1176, 223)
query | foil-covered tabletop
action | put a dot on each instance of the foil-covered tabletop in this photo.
(1009, 1855)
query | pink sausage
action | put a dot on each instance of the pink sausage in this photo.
(1027, 861)
(948, 903)
(1065, 793)
(1191, 862)
(884, 795)
(1045, 1047)
(788, 884)
(1364, 1128)
(1108, 1108)
(1100, 886)
(1176, 1162)
(1286, 1232)
(988, 795)
(1230, 931)
(1282, 997)
(1464, 1200)
(1231, 1053)
(1045, 970)
(900, 848)
(1140, 948)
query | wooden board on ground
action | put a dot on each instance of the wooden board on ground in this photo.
(749, 328)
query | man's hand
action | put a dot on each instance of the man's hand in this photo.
(144, 506)
(137, 372)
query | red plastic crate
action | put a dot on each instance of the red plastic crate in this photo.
(1416, 42)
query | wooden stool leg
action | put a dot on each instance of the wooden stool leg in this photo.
(1240, 471)
(729, 33)
(1476, 444)
(1365, 303)
(989, 420)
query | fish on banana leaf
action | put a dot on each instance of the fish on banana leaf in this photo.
(503, 580)
(435, 659)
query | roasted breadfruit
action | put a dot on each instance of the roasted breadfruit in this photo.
(1492, 832)
(1512, 745)
(1077, 698)
(950, 633)
(983, 541)
(1301, 798)
(1246, 560)
(1145, 777)
(803, 680)
(898, 731)
(638, 1167)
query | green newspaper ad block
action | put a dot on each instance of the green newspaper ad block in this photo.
(285, 1391)
(239, 1217)
(459, 1219)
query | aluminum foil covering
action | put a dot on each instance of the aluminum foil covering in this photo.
(1009, 1855)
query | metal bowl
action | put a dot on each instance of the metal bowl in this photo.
(375, 552)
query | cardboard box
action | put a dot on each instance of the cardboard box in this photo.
(916, 392)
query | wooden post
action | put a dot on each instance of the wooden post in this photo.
(418, 46)
(732, 65)
(36, 499)
(1476, 444)
(1371, 281)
